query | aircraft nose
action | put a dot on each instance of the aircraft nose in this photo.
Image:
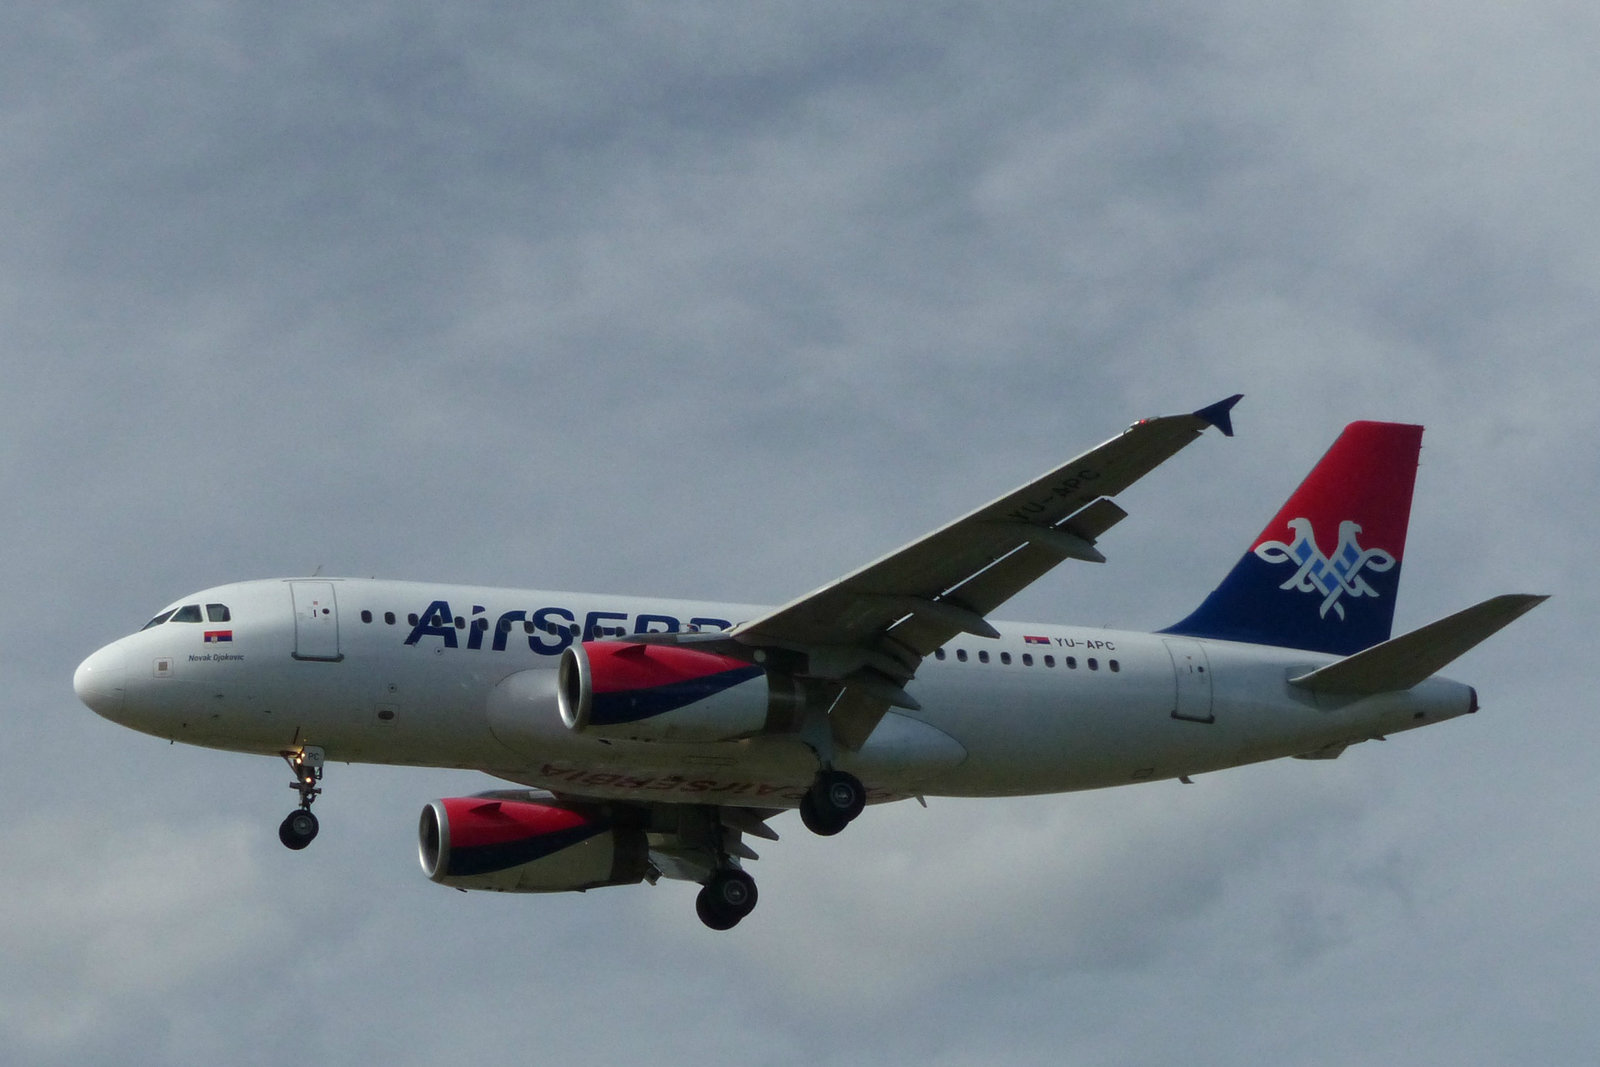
(100, 681)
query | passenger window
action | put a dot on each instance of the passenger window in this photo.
(218, 613)
(366, 616)
(1114, 665)
(1027, 659)
(1005, 657)
(961, 654)
(983, 657)
(388, 617)
(1094, 664)
(938, 653)
(1049, 661)
(187, 613)
(157, 621)
(1072, 663)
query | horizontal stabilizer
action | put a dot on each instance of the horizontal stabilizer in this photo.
(1404, 661)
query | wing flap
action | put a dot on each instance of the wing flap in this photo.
(1044, 548)
(1041, 550)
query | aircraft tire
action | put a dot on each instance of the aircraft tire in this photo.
(727, 898)
(298, 829)
(832, 802)
(820, 823)
(841, 792)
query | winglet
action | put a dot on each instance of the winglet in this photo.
(1220, 414)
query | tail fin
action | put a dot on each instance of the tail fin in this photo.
(1288, 591)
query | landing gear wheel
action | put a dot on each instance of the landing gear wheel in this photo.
(729, 896)
(833, 800)
(818, 823)
(298, 829)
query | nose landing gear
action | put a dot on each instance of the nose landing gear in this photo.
(299, 827)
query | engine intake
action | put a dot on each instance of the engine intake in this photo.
(527, 846)
(644, 692)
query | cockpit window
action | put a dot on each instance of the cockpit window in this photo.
(187, 613)
(157, 621)
(218, 613)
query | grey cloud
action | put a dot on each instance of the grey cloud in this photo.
(725, 301)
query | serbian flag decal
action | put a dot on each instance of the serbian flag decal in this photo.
(215, 636)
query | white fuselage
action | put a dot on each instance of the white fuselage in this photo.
(352, 666)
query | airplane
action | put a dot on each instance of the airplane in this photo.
(648, 738)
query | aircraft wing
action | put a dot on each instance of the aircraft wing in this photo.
(864, 635)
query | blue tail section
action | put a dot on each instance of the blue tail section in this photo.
(1324, 573)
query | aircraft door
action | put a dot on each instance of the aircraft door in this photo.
(1192, 674)
(316, 621)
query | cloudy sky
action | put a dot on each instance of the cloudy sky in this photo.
(723, 300)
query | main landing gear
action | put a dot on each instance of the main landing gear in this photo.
(711, 834)
(832, 802)
(727, 896)
(299, 827)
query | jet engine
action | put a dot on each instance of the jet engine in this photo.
(527, 846)
(640, 692)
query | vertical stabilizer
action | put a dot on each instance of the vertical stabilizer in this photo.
(1323, 574)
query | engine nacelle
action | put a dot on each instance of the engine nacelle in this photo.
(527, 846)
(641, 692)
